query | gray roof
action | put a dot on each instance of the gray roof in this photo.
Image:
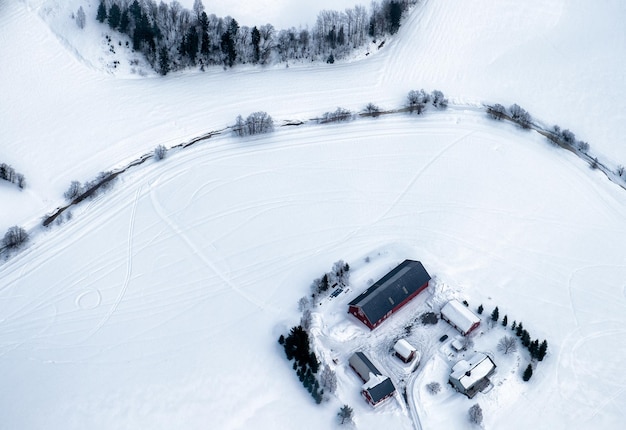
(363, 366)
(382, 390)
(391, 290)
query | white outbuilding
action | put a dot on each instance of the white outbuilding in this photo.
(460, 317)
(404, 350)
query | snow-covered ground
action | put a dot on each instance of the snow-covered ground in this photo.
(159, 304)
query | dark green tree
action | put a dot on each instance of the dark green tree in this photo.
(102, 12)
(525, 338)
(519, 330)
(480, 309)
(345, 413)
(543, 349)
(192, 41)
(513, 326)
(115, 15)
(205, 42)
(394, 15)
(505, 321)
(164, 63)
(495, 315)
(533, 348)
(124, 22)
(256, 40)
(528, 373)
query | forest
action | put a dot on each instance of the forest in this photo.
(173, 38)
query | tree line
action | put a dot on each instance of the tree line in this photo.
(172, 37)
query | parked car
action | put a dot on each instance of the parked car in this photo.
(443, 338)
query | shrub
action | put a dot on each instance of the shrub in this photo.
(160, 152)
(496, 111)
(372, 109)
(429, 318)
(339, 115)
(438, 100)
(74, 190)
(520, 116)
(417, 100)
(475, 414)
(433, 387)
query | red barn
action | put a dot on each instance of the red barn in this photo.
(390, 293)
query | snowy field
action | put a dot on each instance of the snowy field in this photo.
(159, 304)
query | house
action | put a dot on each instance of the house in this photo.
(390, 293)
(404, 350)
(471, 376)
(460, 317)
(377, 387)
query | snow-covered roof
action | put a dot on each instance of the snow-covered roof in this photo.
(363, 366)
(468, 372)
(459, 315)
(404, 348)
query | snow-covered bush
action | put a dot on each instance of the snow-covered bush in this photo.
(520, 116)
(372, 110)
(417, 100)
(475, 414)
(438, 100)
(160, 152)
(339, 115)
(496, 111)
(433, 387)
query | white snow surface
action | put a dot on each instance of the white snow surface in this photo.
(159, 304)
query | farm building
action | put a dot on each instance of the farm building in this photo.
(404, 350)
(390, 293)
(460, 317)
(377, 387)
(471, 376)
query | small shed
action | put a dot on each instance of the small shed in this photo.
(471, 376)
(377, 387)
(404, 350)
(460, 317)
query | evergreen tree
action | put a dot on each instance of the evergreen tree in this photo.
(525, 338)
(519, 330)
(192, 44)
(505, 321)
(205, 42)
(102, 12)
(480, 309)
(534, 349)
(80, 18)
(124, 22)
(114, 16)
(543, 349)
(495, 315)
(528, 373)
(164, 62)
(394, 16)
(256, 40)
(345, 413)
(513, 326)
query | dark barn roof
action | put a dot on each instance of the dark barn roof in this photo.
(382, 390)
(391, 290)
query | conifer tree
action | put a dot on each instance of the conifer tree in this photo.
(114, 16)
(525, 338)
(480, 309)
(495, 315)
(543, 349)
(102, 12)
(513, 326)
(345, 413)
(534, 349)
(528, 373)
(505, 321)
(164, 61)
(519, 330)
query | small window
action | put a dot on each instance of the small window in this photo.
(391, 301)
(405, 291)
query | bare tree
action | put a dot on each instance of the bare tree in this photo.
(74, 190)
(416, 101)
(372, 109)
(496, 111)
(14, 237)
(507, 344)
(328, 379)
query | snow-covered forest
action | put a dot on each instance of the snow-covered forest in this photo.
(172, 37)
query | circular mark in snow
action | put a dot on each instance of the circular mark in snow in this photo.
(89, 299)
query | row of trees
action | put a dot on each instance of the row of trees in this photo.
(306, 366)
(515, 113)
(417, 101)
(507, 344)
(172, 37)
(8, 173)
(255, 123)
